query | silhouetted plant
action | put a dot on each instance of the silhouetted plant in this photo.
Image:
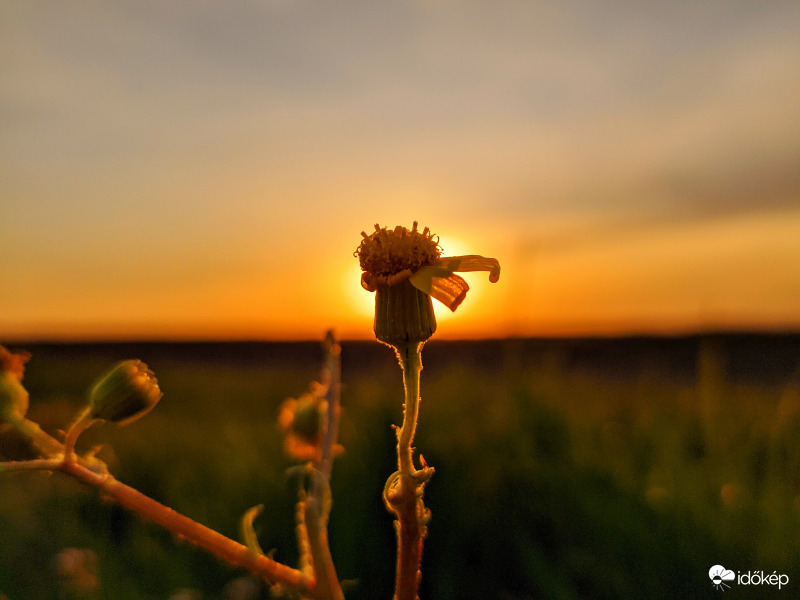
(405, 269)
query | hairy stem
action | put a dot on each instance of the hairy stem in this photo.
(404, 496)
(410, 357)
(81, 423)
(92, 472)
(38, 464)
(222, 547)
(327, 582)
(315, 511)
(332, 372)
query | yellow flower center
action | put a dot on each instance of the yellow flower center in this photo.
(387, 252)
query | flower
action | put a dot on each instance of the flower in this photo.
(13, 362)
(406, 269)
(13, 396)
(301, 420)
(126, 393)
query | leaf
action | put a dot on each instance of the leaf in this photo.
(248, 533)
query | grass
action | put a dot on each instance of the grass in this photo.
(565, 469)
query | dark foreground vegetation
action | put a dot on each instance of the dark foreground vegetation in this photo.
(565, 469)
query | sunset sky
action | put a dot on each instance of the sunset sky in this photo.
(199, 169)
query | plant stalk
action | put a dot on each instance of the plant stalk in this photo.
(92, 472)
(405, 498)
(410, 357)
(315, 522)
(222, 547)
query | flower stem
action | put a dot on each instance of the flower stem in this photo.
(81, 423)
(404, 493)
(410, 357)
(332, 371)
(315, 507)
(327, 583)
(38, 464)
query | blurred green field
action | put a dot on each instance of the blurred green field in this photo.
(565, 469)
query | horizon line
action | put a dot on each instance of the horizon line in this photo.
(652, 334)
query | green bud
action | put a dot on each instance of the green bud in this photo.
(125, 393)
(13, 397)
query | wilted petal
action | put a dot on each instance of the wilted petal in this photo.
(471, 262)
(442, 284)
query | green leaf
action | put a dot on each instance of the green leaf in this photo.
(248, 533)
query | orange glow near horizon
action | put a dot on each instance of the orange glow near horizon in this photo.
(665, 281)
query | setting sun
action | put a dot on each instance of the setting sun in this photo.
(361, 302)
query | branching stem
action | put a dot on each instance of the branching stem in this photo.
(222, 547)
(315, 580)
(315, 507)
(89, 471)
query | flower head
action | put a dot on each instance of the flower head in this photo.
(405, 267)
(126, 393)
(301, 421)
(13, 396)
(389, 256)
(13, 362)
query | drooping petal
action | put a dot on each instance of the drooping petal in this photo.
(470, 262)
(442, 284)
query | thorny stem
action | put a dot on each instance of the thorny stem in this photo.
(404, 495)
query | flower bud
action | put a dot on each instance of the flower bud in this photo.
(307, 418)
(403, 314)
(125, 393)
(301, 421)
(13, 397)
